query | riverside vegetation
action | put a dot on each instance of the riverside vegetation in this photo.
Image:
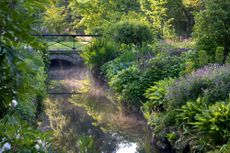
(166, 59)
(182, 92)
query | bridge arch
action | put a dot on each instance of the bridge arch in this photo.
(75, 59)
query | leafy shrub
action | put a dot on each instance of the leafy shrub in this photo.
(195, 114)
(100, 52)
(111, 68)
(132, 82)
(24, 78)
(208, 123)
(213, 123)
(126, 83)
(86, 144)
(156, 95)
(210, 28)
(163, 123)
(22, 137)
(188, 111)
(129, 54)
(219, 55)
(227, 60)
(211, 81)
(163, 66)
(190, 60)
(189, 66)
(131, 32)
(203, 58)
(224, 149)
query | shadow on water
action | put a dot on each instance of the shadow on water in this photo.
(77, 106)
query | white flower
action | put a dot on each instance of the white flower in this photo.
(6, 146)
(39, 142)
(14, 103)
(3, 139)
(42, 144)
(25, 47)
(37, 147)
(18, 136)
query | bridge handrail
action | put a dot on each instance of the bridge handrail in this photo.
(67, 35)
(74, 36)
(64, 51)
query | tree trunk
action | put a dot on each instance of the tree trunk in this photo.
(226, 42)
(190, 21)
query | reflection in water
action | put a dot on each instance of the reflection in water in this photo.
(89, 113)
(132, 147)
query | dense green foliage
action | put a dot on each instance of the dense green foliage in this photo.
(203, 58)
(131, 32)
(16, 20)
(185, 109)
(182, 92)
(219, 55)
(99, 52)
(168, 18)
(23, 75)
(188, 107)
(212, 26)
(125, 60)
(83, 15)
(131, 81)
(206, 121)
(196, 104)
(171, 18)
(54, 16)
(156, 95)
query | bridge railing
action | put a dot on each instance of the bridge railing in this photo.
(67, 42)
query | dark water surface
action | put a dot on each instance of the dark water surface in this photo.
(79, 108)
